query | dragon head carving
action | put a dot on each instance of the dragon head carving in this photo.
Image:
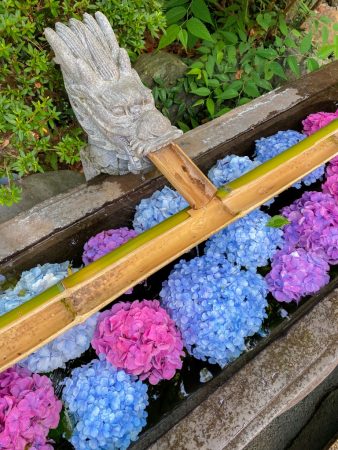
(112, 105)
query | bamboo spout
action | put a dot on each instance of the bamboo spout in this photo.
(184, 175)
(77, 297)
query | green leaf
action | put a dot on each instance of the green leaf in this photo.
(290, 42)
(228, 94)
(183, 37)
(169, 36)
(264, 20)
(171, 3)
(202, 91)
(278, 70)
(222, 111)
(231, 37)
(325, 51)
(277, 221)
(306, 43)
(175, 14)
(195, 71)
(210, 106)
(201, 10)
(199, 102)
(325, 34)
(250, 88)
(184, 127)
(282, 26)
(210, 64)
(293, 64)
(312, 64)
(198, 29)
(243, 101)
(268, 53)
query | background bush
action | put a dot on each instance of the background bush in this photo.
(37, 126)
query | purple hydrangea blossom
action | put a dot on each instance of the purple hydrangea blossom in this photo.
(215, 305)
(104, 242)
(296, 273)
(248, 242)
(153, 210)
(107, 405)
(269, 147)
(332, 167)
(230, 168)
(314, 225)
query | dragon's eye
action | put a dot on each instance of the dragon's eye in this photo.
(118, 111)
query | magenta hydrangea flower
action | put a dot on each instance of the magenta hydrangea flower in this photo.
(315, 121)
(140, 338)
(296, 273)
(332, 168)
(331, 185)
(28, 410)
(314, 225)
(104, 242)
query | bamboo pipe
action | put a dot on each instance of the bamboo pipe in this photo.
(78, 296)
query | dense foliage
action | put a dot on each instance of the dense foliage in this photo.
(236, 50)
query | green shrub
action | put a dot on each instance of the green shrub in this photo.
(247, 50)
(37, 127)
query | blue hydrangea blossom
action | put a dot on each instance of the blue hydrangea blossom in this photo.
(248, 242)
(230, 168)
(216, 305)
(70, 345)
(269, 147)
(32, 282)
(153, 210)
(108, 406)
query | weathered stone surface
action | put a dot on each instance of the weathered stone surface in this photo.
(39, 187)
(163, 65)
(269, 385)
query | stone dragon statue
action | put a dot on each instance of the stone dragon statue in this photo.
(112, 105)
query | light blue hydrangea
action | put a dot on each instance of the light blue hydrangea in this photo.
(269, 147)
(248, 242)
(215, 305)
(32, 282)
(153, 210)
(107, 405)
(68, 346)
(230, 168)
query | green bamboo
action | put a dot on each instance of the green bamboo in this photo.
(94, 268)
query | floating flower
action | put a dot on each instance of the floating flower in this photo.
(70, 345)
(331, 185)
(318, 120)
(314, 225)
(31, 283)
(107, 405)
(215, 305)
(296, 273)
(332, 168)
(153, 210)
(248, 242)
(230, 168)
(140, 338)
(104, 242)
(28, 410)
(269, 147)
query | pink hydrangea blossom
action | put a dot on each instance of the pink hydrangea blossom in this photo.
(140, 338)
(28, 410)
(332, 168)
(314, 225)
(315, 121)
(295, 273)
(331, 185)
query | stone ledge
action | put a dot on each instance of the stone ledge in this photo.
(269, 385)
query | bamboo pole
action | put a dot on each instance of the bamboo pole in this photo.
(78, 296)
